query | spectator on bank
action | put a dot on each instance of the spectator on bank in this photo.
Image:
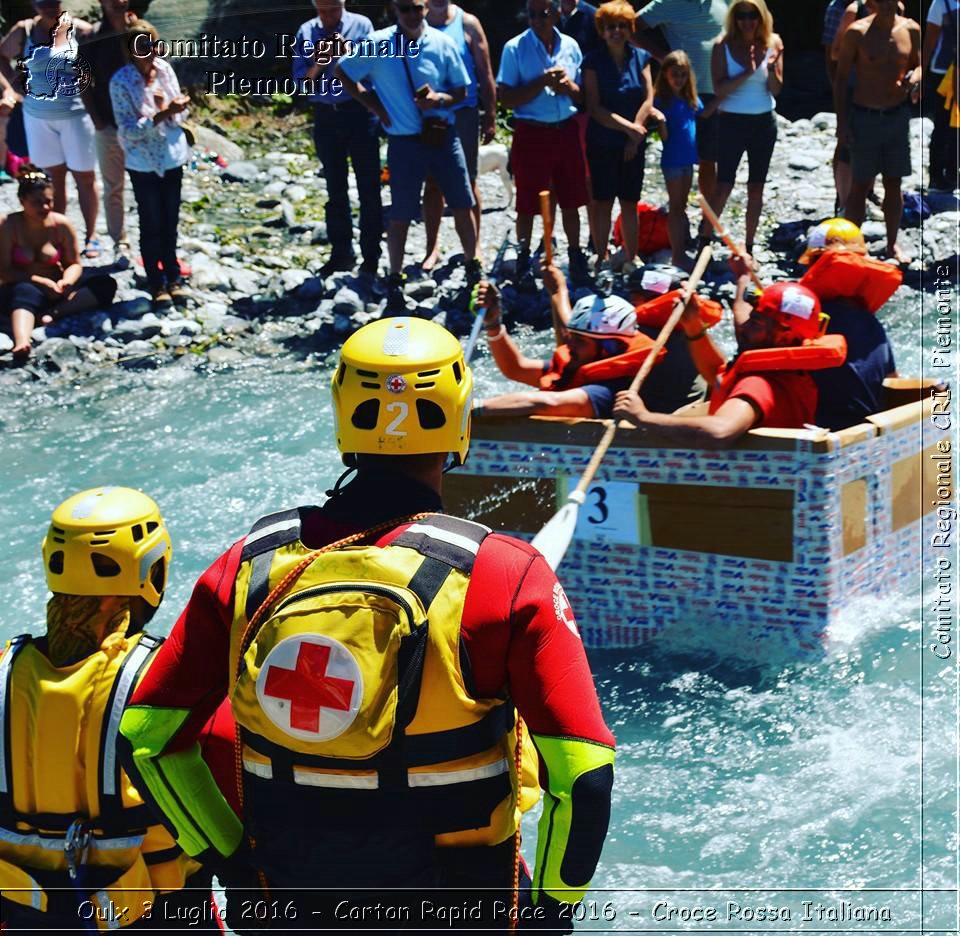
(578, 20)
(539, 79)
(875, 123)
(149, 107)
(342, 129)
(471, 41)
(413, 97)
(8, 102)
(619, 96)
(58, 128)
(939, 53)
(103, 51)
(747, 76)
(40, 264)
(692, 26)
(677, 101)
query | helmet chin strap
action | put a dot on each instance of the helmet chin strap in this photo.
(339, 486)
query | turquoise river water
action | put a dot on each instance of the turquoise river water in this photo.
(829, 783)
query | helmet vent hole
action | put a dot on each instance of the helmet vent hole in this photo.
(340, 374)
(152, 525)
(55, 562)
(104, 532)
(104, 566)
(366, 414)
(56, 530)
(58, 539)
(369, 385)
(99, 542)
(158, 575)
(424, 386)
(457, 375)
(367, 373)
(430, 414)
(136, 531)
(428, 373)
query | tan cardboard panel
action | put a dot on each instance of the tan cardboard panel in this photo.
(891, 420)
(853, 506)
(900, 390)
(914, 487)
(501, 503)
(729, 521)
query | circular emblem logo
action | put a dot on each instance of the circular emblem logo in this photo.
(396, 383)
(562, 609)
(67, 73)
(310, 687)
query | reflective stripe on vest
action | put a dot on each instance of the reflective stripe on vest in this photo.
(6, 673)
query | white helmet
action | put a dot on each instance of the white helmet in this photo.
(603, 317)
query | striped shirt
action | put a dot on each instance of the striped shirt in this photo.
(691, 25)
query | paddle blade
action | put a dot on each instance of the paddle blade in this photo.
(554, 539)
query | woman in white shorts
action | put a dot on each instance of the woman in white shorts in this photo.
(59, 130)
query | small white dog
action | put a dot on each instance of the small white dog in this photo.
(493, 157)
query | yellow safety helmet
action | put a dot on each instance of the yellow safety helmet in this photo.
(108, 541)
(402, 388)
(838, 234)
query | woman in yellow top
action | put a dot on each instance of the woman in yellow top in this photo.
(80, 850)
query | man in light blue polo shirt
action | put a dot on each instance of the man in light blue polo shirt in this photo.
(341, 128)
(413, 88)
(540, 79)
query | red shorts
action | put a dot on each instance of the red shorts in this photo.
(548, 159)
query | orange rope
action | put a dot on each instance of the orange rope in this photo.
(518, 768)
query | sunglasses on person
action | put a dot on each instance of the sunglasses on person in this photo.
(411, 8)
(747, 15)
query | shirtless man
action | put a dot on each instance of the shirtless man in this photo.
(885, 48)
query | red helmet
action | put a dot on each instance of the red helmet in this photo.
(793, 306)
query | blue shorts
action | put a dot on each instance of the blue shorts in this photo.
(411, 162)
(676, 172)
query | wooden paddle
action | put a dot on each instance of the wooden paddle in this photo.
(728, 240)
(554, 539)
(479, 313)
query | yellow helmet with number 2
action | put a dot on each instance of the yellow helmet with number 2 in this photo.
(402, 388)
(108, 541)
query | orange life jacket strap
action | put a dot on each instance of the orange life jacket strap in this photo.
(839, 274)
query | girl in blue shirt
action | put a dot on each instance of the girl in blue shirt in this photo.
(676, 97)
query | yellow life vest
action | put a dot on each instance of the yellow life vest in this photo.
(355, 684)
(73, 828)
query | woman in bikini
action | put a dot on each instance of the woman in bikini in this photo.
(39, 264)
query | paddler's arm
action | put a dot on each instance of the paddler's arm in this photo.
(567, 403)
(185, 684)
(512, 362)
(705, 355)
(719, 430)
(553, 689)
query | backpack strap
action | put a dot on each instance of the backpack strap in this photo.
(266, 536)
(127, 677)
(445, 543)
(6, 755)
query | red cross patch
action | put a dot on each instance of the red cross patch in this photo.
(310, 687)
(396, 383)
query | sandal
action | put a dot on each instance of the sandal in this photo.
(91, 250)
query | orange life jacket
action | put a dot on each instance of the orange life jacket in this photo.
(655, 312)
(817, 354)
(611, 368)
(839, 274)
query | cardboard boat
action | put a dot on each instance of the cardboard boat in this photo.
(773, 538)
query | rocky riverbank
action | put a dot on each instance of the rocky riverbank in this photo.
(252, 234)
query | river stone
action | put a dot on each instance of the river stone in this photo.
(293, 279)
(234, 325)
(310, 289)
(240, 172)
(423, 289)
(804, 163)
(319, 233)
(219, 144)
(57, 354)
(219, 355)
(245, 282)
(295, 193)
(6, 343)
(825, 121)
(138, 329)
(342, 323)
(268, 202)
(347, 302)
(184, 326)
(178, 341)
(873, 230)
